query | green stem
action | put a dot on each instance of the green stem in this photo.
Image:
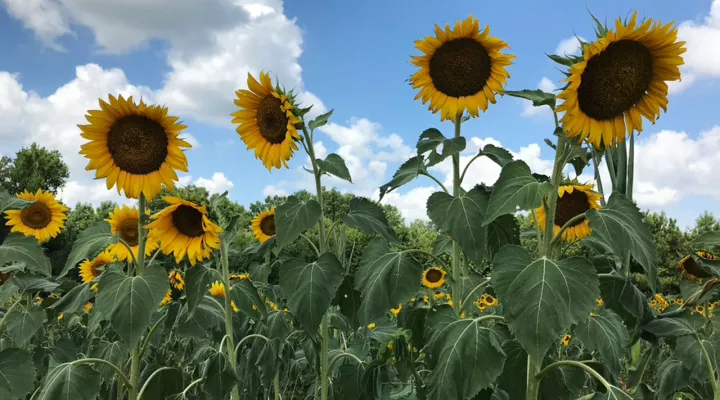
(711, 370)
(235, 395)
(311, 244)
(576, 364)
(532, 383)
(611, 169)
(149, 336)
(565, 227)
(429, 175)
(254, 335)
(465, 301)
(631, 167)
(142, 236)
(4, 318)
(553, 197)
(129, 249)
(489, 318)
(426, 253)
(348, 355)
(190, 386)
(596, 165)
(147, 381)
(276, 386)
(467, 166)
(135, 356)
(621, 175)
(456, 193)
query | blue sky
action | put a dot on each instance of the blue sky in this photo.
(61, 55)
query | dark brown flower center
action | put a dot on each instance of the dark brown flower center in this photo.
(571, 205)
(128, 231)
(137, 144)
(615, 80)
(267, 225)
(95, 268)
(271, 120)
(694, 269)
(460, 67)
(36, 215)
(434, 275)
(188, 221)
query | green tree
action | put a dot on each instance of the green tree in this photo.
(33, 168)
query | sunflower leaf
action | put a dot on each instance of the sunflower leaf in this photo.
(90, 242)
(671, 376)
(465, 356)
(321, 120)
(23, 324)
(431, 139)
(408, 171)
(294, 217)
(497, 154)
(604, 332)
(461, 217)
(385, 279)
(9, 202)
(310, 288)
(685, 323)
(32, 283)
(246, 296)
(26, 250)
(516, 187)
(503, 231)
(333, 164)
(542, 298)
(621, 296)
(70, 381)
(367, 216)
(17, 372)
(561, 60)
(197, 281)
(537, 96)
(72, 300)
(688, 349)
(620, 226)
(706, 240)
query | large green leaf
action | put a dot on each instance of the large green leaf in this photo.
(219, 376)
(245, 295)
(537, 96)
(542, 298)
(197, 281)
(464, 356)
(294, 217)
(26, 250)
(368, 217)
(71, 382)
(431, 139)
(207, 317)
(686, 323)
(461, 217)
(309, 288)
(671, 377)
(73, 300)
(621, 296)
(406, 173)
(615, 393)
(385, 279)
(114, 352)
(130, 301)
(17, 372)
(498, 154)
(503, 231)
(604, 332)
(689, 351)
(349, 300)
(164, 384)
(333, 164)
(89, 243)
(620, 226)
(23, 324)
(65, 350)
(10, 202)
(514, 374)
(705, 241)
(515, 188)
(32, 283)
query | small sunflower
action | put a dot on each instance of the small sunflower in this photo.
(490, 301)
(87, 307)
(94, 287)
(461, 69)
(372, 326)
(176, 280)
(124, 223)
(700, 309)
(60, 317)
(91, 269)
(438, 296)
(240, 277)
(680, 302)
(266, 121)
(621, 79)
(235, 307)
(692, 269)
(217, 289)
(599, 302)
(263, 225)
(136, 147)
(573, 200)
(184, 228)
(433, 277)
(396, 310)
(43, 219)
(167, 299)
(566, 340)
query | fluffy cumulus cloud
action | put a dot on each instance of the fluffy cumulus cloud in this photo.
(547, 86)
(569, 46)
(219, 183)
(702, 58)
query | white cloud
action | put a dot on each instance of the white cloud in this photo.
(44, 17)
(217, 184)
(702, 57)
(93, 192)
(569, 46)
(190, 139)
(546, 85)
(184, 180)
(278, 189)
(413, 204)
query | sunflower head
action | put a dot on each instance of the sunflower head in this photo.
(124, 222)
(91, 269)
(217, 289)
(490, 301)
(372, 326)
(461, 69)
(183, 228)
(620, 79)
(566, 340)
(134, 146)
(87, 307)
(396, 310)
(573, 200)
(43, 218)
(167, 299)
(263, 225)
(433, 277)
(176, 280)
(266, 121)
(692, 270)
(599, 302)
(240, 277)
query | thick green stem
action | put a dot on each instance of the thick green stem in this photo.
(134, 373)
(553, 198)
(135, 356)
(570, 363)
(276, 386)
(141, 235)
(456, 192)
(631, 167)
(235, 395)
(147, 381)
(533, 383)
(596, 165)
(711, 370)
(621, 168)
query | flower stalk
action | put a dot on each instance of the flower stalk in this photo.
(135, 356)
(456, 193)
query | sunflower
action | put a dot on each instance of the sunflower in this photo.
(372, 326)
(87, 307)
(266, 121)
(241, 277)
(396, 310)
(91, 269)
(272, 305)
(43, 218)
(692, 269)
(263, 225)
(566, 340)
(176, 280)
(124, 223)
(700, 309)
(599, 302)
(217, 289)
(167, 299)
(620, 79)
(490, 301)
(573, 200)
(433, 277)
(184, 228)
(461, 69)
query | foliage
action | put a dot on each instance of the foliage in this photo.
(33, 168)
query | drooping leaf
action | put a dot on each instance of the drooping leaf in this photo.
(637, 371)
(197, 281)
(73, 300)
(385, 279)
(621, 296)
(17, 372)
(503, 231)
(498, 154)
(26, 250)
(349, 300)
(129, 302)
(537, 96)
(24, 323)
(114, 352)
(620, 225)
(408, 171)
(32, 283)
(320, 120)
(88, 244)
(333, 164)
(246, 296)
(686, 323)
(464, 356)
(71, 382)
(10, 202)
(614, 393)
(461, 217)
(542, 298)
(604, 332)
(562, 383)
(672, 376)
(688, 351)
(65, 350)
(219, 376)
(368, 217)
(429, 140)
(309, 288)
(706, 240)
(515, 188)
(514, 374)
(442, 245)
(207, 317)
(164, 384)
(278, 325)
(294, 217)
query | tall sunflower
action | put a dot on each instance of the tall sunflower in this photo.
(692, 270)
(266, 121)
(91, 269)
(184, 228)
(462, 69)
(134, 146)
(43, 219)
(124, 222)
(620, 79)
(573, 200)
(263, 225)
(433, 277)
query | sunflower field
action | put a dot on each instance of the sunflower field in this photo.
(157, 301)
